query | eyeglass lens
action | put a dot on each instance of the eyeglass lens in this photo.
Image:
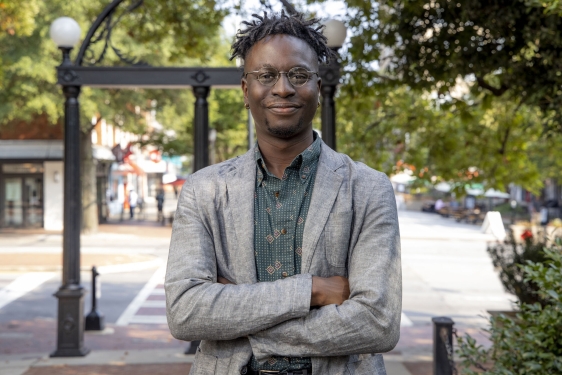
(270, 76)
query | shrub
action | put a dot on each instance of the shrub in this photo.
(531, 342)
(510, 257)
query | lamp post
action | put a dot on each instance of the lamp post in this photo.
(335, 32)
(65, 32)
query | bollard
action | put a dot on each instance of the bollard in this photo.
(443, 355)
(94, 320)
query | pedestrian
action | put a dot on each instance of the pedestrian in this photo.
(133, 200)
(160, 204)
(285, 260)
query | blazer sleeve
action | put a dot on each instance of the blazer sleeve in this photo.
(199, 308)
(369, 321)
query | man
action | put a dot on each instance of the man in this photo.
(160, 204)
(133, 200)
(285, 260)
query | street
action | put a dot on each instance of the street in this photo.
(446, 272)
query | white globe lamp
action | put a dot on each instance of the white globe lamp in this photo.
(335, 31)
(65, 32)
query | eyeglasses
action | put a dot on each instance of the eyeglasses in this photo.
(269, 76)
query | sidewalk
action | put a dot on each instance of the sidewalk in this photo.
(137, 348)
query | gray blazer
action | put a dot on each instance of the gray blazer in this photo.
(351, 230)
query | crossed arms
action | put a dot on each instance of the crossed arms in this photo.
(276, 316)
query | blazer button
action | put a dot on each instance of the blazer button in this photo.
(284, 274)
(244, 370)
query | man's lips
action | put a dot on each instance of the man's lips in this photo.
(283, 108)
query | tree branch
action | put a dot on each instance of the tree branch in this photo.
(290, 8)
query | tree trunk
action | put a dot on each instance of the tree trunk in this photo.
(89, 189)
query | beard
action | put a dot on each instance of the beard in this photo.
(285, 131)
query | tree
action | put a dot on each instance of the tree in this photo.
(510, 48)
(399, 128)
(160, 33)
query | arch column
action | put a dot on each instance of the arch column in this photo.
(201, 128)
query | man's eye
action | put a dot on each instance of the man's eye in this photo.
(267, 76)
(300, 76)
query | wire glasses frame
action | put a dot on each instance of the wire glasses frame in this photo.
(297, 76)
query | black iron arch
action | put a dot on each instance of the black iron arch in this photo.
(72, 76)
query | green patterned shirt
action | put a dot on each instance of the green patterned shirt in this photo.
(280, 211)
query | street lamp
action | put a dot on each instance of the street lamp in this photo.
(335, 32)
(65, 32)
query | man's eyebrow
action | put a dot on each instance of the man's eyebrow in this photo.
(296, 66)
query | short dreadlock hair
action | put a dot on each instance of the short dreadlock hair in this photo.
(295, 25)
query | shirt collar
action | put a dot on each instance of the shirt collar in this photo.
(305, 161)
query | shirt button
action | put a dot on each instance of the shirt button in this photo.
(276, 194)
(284, 274)
(303, 176)
(283, 231)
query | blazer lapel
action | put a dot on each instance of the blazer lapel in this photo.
(326, 187)
(240, 189)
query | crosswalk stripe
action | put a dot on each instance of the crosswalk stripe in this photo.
(149, 319)
(22, 285)
(154, 304)
(127, 315)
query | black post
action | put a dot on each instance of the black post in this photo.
(70, 338)
(330, 75)
(94, 320)
(201, 125)
(443, 355)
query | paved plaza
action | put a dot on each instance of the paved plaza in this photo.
(446, 272)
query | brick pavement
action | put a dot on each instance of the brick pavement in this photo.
(21, 338)
(140, 369)
(38, 262)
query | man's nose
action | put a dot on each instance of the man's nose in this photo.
(283, 87)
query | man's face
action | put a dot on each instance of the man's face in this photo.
(281, 110)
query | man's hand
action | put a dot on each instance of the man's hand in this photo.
(224, 281)
(329, 290)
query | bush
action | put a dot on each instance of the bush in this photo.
(531, 342)
(510, 257)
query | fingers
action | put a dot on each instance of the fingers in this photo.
(224, 281)
(330, 290)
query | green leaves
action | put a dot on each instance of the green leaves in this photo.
(531, 342)
(162, 33)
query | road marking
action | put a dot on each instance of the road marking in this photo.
(154, 304)
(405, 321)
(129, 267)
(127, 315)
(149, 319)
(158, 292)
(22, 285)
